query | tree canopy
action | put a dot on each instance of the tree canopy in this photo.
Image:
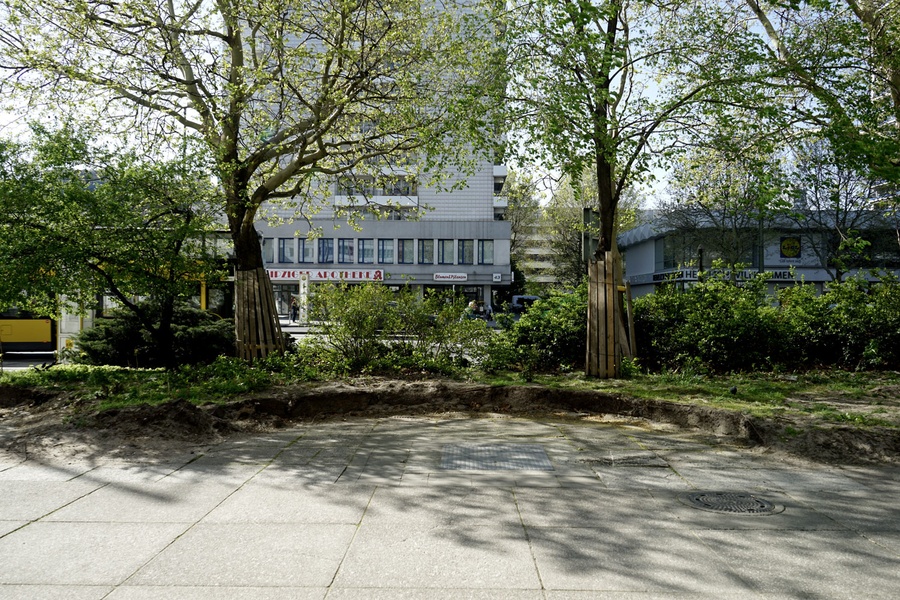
(283, 94)
(78, 221)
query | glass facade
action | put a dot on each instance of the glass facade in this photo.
(326, 250)
(426, 252)
(366, 251)
(466, 252)
(345, 250)
(405, 252)
(386, 252)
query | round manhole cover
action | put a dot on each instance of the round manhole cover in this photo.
(736, 503)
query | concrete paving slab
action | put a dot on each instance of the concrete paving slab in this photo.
(427, 508)
(258, 554)
(432, 594)
(889, 540)
(759, 479)
(641, 478)
(35, 471)
(129, 472)
(53, 592)
(789, 515)
(859, 511)
(638, 560)
(240, 454)
(31, 500)
(603, 508)
(302, 525)
(225, 473)
(594, 595)
(467, 554)
(81, 553)
(161, 502)
(215, 593)
(820, 564)
(299, 475)
(266, 503)
(10, 526)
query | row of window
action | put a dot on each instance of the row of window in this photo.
(379, 251)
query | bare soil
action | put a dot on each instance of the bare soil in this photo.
(35, 423)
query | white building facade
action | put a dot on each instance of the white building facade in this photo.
(425, 238)
(655, 255)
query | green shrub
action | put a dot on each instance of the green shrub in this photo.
(198, 337)
(550, 336)
(370, 329)
(715, 324)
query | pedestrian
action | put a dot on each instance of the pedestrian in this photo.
(295, 310)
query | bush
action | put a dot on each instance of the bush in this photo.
(550, 336)
(368, 328)
(717, 325)
(198, 337)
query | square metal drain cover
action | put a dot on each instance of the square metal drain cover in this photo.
(495, 457)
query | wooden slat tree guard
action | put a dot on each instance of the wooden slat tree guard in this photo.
(608, 340)
(254, 312)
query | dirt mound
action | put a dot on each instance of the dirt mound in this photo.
(174, 420)
(47, 422)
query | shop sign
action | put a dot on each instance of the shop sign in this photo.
(451, 277)
(325, 275)
(744, 275)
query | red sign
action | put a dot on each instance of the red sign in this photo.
(325, 275)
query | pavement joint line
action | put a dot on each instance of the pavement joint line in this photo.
(350, 543)
(534, 561)
(55, 510)
(189, 527)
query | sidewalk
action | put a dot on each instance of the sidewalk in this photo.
(420, 508)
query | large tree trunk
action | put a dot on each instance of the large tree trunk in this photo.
(607, 337)
(257, 329)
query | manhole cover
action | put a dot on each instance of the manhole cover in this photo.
(737, 503)
(495, 457)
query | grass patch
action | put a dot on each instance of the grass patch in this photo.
(812, 395)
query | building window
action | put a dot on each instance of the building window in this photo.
(445, 252)
(400, 186)
(268, 250)
(286, 249)
(345, 250)
(405, 252)
(306, 250)
(466, 252)
(386, 252)
(426, 252)
(326, 250)
(361, 186)
(367, 251)
(485, 252)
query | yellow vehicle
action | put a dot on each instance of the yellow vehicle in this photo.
(21, 332)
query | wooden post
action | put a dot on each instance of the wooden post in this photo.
(607, 339)
(259, 331)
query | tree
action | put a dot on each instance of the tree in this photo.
(721, 197)
(78, 221)
(839, 62)
(582, 84)
(835, 204)
(523, 211)
(565, 217)
(284, 95)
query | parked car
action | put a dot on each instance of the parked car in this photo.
(520, 303)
